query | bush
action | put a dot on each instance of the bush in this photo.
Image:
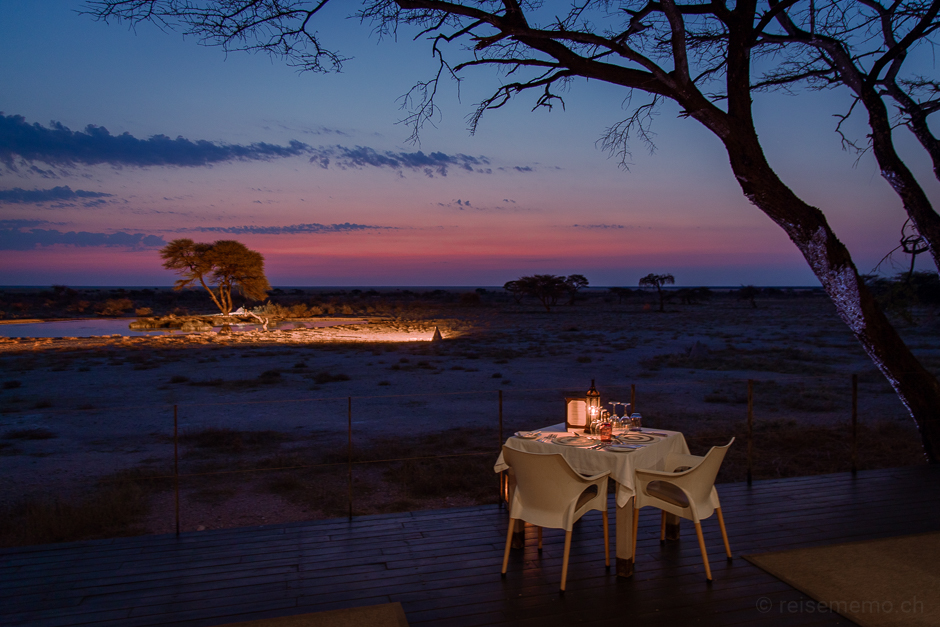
(326, 377)
(114, 306)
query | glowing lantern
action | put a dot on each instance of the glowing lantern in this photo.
(593, 407)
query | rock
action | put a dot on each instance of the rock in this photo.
(196, 325)
(145, 323)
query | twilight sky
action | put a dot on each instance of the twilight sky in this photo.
(113, 142)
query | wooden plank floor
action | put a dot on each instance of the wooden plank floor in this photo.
(443, 566)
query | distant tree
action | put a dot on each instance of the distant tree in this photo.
(219, 267)
(514, 288)
(899, 295)
(621, 293)
(692, 295)
(575, 282)
(657, 281)
(749, 293)
(547, 288)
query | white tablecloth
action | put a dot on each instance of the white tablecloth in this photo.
(591, 462)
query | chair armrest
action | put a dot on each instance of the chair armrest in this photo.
(595, 477)
(677, 460)
(661, 474)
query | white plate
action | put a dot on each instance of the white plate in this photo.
(579, 441)
(623, 448)
(528, 435)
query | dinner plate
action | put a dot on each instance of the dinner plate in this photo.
(575, 441)
(528, 435)
(635, 438)
(623, 448)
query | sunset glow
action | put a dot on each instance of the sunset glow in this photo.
(314, 172)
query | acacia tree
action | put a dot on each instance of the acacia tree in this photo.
(225, 264)
(657, 281)
(514, 288)
(547, 288)
(864, 45)
(749, 293)
(696, 54)
(575, 283)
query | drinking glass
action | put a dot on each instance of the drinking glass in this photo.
(636, 421)
(619, 412)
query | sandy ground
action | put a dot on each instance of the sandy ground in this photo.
(109, 402)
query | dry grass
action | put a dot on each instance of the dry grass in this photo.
(35, 433)
(782, 448)
(782, 361)
(114, 508)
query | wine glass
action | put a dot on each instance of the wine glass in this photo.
(619, 411)
(636, 419)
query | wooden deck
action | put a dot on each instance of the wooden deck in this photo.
(443, 566)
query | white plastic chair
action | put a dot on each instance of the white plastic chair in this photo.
(688, 492)
(550, 494)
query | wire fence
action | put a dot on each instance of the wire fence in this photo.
(348, 451)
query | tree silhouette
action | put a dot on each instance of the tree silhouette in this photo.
(547, 288)
(657, 281)
(575, 283)
(698, 55)
(749, 293)
(621, 293)
(516, 289)
(225, 264)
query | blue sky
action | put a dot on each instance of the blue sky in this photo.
(353, 203)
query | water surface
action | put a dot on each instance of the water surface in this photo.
(97, 327)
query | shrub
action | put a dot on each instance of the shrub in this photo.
(269, 376)
(326, 377)
(36, 433)
(114, 306)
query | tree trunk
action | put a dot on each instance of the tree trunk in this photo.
(897, 174)
(917, 122)
(212, 295)
(808, 229)
(832, 264)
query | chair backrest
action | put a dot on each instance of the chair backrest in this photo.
(700, 480)
(543, 482)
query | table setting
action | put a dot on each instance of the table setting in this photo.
(588, 454)
(594, 441)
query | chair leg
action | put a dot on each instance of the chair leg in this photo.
(564, 561)
(606, 541)
(540, 538)
(662, 527)
(512, 527)
(724, 533)
(701, 545)
(636, 526)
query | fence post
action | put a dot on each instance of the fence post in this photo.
(750, 429)
(349, 453)
(176, 466)
(502, 475)
(854, 423)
